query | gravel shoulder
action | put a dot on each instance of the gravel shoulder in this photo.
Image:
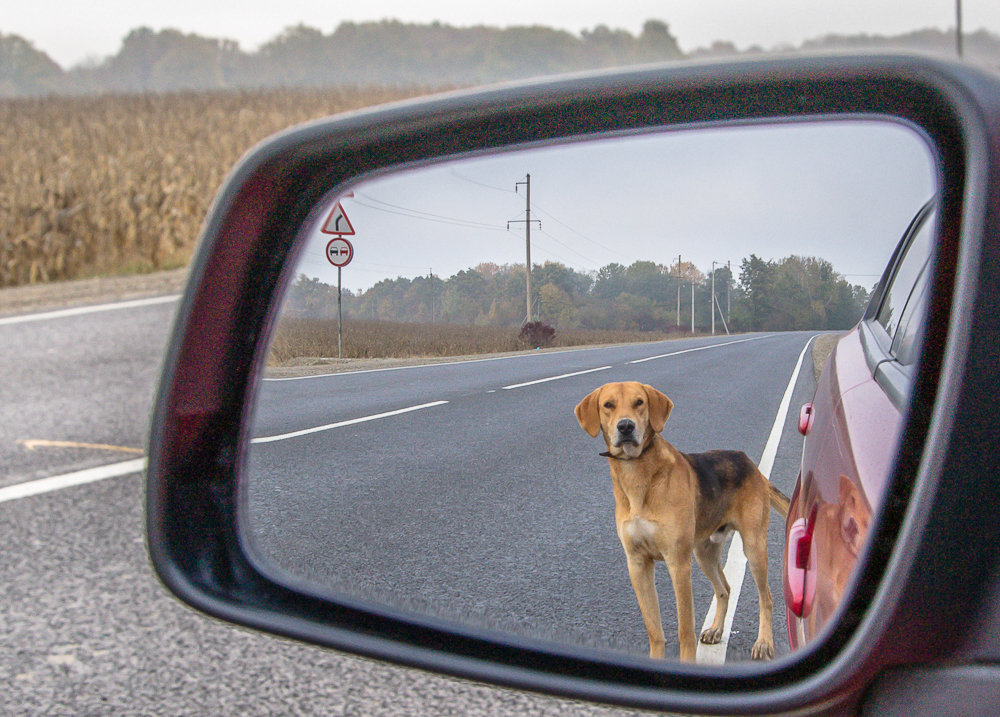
(34, 298)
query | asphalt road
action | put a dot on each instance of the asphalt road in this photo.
(86, 629)
(488, 504)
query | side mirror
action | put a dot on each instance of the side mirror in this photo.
(906, 596)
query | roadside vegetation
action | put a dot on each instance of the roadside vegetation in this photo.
(307, 341)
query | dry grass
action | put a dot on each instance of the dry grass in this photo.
(297, 339)
(821, 350)
(120, 184)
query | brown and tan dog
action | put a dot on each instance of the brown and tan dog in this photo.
(669, 505)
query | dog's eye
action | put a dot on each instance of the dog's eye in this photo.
(638, 402)
(609, 404)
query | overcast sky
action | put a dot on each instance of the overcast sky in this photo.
(842, 191)
(72, 31)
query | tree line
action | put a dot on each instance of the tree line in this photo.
(393, 53)
(382, 53)
(794, 293)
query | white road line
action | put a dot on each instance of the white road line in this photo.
(113, 470)
(68, 480)
(699, 348)
(350, 422)
(736, 560)
(94, 309)
(443, 363)
(555, 378)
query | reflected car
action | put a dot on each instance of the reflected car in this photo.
(851, 431)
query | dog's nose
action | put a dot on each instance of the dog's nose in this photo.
(626, 426)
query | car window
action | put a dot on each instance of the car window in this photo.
(906, 286)
(904, 343)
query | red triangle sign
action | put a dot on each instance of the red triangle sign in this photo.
(337, 223)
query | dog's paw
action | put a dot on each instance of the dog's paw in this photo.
(762, 650)
(712, 636)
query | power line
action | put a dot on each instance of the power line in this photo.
(567, 246)
(455, 174)
(578, 233)
(425, 216)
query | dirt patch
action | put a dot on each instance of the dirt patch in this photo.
(66, 294)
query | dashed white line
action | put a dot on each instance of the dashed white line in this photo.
(113, 470)
(94, 309)
(736, 560)
(349, 422)
(555, 378)
(68, 480)
(699, 348)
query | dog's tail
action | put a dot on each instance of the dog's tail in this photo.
(779, 501)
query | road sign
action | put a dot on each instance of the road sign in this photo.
(337, 223)
(340, 252)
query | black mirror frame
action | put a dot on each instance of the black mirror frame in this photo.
(213, 364)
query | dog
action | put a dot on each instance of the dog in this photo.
(670, 505)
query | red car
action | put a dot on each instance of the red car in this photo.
(851, 431)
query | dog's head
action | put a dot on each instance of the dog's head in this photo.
(629, 414)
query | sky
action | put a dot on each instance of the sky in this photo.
(843, 191)
(71, 32)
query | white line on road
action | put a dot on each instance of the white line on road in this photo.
(113, 470)
(530, 354)
(68, 480)
(555, 378)
(736, 560)
(699, 348)
(349, 422)
(79, 310)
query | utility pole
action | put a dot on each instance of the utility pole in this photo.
(527, 239)
(958, 27)
(729, 286)
(678, 291)
(430, 282)
(711, 302)
(692, 307)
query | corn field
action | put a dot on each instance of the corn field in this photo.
(120, 184)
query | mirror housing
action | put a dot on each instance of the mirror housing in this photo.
(914, 573)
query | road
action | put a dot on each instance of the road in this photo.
(86, 629)
(488, 503)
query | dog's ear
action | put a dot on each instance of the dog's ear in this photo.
(588, 413)
(659, 407)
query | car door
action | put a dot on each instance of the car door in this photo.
(851, 438)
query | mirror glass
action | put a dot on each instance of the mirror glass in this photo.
(417, 440)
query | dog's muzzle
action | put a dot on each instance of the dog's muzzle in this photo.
(625, 433)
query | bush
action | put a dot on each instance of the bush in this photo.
(537, 334)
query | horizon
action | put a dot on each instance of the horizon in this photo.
(80, 39)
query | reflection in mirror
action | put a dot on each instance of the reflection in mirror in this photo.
(415, 442)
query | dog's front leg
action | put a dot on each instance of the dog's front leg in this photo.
(680, 576)
(640, 572)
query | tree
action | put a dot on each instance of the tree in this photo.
(656, 43)
(555, 306)
(466, 297)
(610, 281)
(756, 277)
(25, 70)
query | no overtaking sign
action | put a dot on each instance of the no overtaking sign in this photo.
(340, 252)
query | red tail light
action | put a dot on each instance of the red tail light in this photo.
(800, 588)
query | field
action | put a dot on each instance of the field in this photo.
(120, 184)
(297, 340)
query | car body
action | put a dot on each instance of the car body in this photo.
(851, 431)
